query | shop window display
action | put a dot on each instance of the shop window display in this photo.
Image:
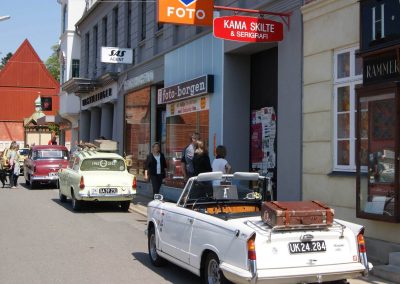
(377, 132)
(179, 129)
(137, 130)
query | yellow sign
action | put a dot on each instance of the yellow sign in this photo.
(189, 12)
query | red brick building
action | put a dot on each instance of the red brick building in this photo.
(22, 80)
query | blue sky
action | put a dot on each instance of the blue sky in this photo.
(35, 20)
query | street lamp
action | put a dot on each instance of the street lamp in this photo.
(3, 18)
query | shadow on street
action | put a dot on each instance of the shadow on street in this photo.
(170, 272)
(91, 207)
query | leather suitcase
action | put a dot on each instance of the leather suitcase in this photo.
(296, 214)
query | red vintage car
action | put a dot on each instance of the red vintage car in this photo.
(42, 164)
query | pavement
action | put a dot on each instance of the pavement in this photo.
(139, 205)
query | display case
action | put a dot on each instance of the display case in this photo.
(378, 152)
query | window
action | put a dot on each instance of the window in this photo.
(115, 34)
(103, 165)
(128, 24)
(95, 48)
(348, 75)
(143, 20)
(75, 68)
(87, 51)
(105, 31)
(65, 18)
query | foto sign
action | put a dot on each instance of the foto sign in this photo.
(189, 12)
(116, 55)
(247, 29)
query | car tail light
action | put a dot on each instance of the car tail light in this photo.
(361, 243)
(251, 248)
(251, 255)
(362, 251)
(134, 184)
(34, 169)
(82, 183)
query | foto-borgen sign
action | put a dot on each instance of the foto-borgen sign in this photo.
(195, 87)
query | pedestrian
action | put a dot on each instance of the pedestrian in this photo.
(220, 164)
(16, 169)
(187, 156)
(11, 158)
(201, 160)
(52, 141)
(155, 167)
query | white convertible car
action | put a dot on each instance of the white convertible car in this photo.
(96, 176)
(215, 230)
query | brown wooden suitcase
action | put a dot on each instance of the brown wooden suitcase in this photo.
(292, 214)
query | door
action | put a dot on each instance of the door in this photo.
(176, 231)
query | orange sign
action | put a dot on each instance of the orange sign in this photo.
(189, 12)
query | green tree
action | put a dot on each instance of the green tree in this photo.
(52, 63)
(5, 59)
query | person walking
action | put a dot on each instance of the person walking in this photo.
(16, 169)
(187, 157)
(201, 160)
(220, 164)
(155, 167)
(11, 158)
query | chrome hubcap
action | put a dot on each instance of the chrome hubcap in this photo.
(213, 272)
(153, 251)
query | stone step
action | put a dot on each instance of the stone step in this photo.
(388, 272)
(394, 258)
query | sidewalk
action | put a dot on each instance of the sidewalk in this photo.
(139, 205)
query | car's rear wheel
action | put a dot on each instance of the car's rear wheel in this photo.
(62, 197)
(211, 272)
(32, 184)
(155, 259)
(125, 205)
(76, 204)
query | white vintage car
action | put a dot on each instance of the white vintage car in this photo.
(96, 176)
(215, 231)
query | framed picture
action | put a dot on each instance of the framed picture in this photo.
(47, 103)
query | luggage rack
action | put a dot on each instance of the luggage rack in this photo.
(268, 230)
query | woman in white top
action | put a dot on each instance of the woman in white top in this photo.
(220, 164)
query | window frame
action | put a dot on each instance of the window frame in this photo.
(351, 81)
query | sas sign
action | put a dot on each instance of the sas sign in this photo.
(189, 12)
(116, 55)
(248, 29)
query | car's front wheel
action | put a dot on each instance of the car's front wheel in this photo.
(211, 272)
(76, 204)
(155, 259)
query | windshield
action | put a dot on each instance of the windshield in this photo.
(228, 189)
(103, 165)
(23, 152)
(52, 154)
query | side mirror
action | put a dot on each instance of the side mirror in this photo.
(159, 197)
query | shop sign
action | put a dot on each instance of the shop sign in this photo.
(189, 12)
(188, 106)
(99, 97)
(248, 29)
(116, 55)
(139, 81)
(380, 22)
(196, 87)
(380, 69)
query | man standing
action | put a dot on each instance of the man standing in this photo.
(187, 156)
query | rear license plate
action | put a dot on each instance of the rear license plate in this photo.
(304, 247)
(108, 190)
(54, 174)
